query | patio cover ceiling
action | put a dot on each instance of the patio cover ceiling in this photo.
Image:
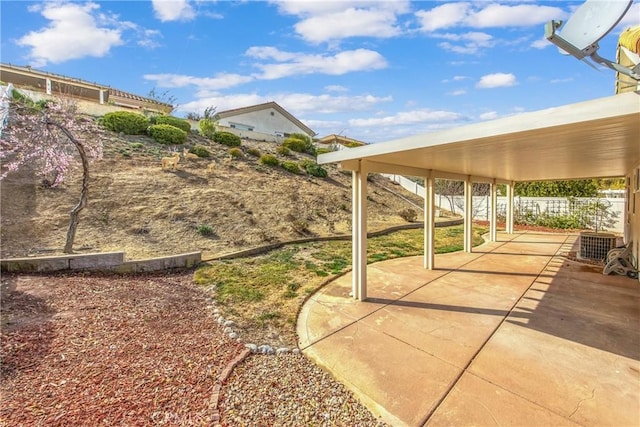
(597, 138)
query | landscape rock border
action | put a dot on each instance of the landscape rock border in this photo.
(266, 248)
(114, 261)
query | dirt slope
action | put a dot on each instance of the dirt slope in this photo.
(137, 207)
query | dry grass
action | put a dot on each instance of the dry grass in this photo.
(136, 206)
(263, 294)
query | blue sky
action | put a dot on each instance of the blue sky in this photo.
(370, 70)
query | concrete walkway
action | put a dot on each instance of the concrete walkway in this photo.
(512, 334)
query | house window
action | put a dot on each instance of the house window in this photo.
(241, 126)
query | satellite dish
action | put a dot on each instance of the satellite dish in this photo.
(580, 35)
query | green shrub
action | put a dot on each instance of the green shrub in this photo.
(283, 150)
(173, 121)
(227, 138)
(200, 151)
(304, 163)
(291, 167)
(136, 145)
(269, 160)
(300, 143)
(253, 152)
(126, 122)
(294, 144)
(324, 150)
(167, 134)
(352, 144)
(316, 170)
(236, 153)
(207, 128)
(204, 230)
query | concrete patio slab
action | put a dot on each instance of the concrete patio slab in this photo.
(512, 334)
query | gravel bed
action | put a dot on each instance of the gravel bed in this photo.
(289, 390)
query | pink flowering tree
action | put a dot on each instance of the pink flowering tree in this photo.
(48, 136)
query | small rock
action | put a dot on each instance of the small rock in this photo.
(233, 335)
(252, 347)
(265, 349)
(282, 350)
(228, 330)
(216, 311)
(229, 323)
(295, 351)
(221, 320)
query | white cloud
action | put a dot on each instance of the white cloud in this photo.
(322, 21)
(496, 80)
(173, 10)
(541, 43)
(455, 79)
(489, 115)
(329, 104)
(289, 64)
(472, 42)
(348, 23)
(457, 92)
(336, 88)
(148, 38)
(521, 15)
(486, 15)
(296, 103)
(220, 81)
(408, 118)
(565, 80)
(443, 16)
(71, 34)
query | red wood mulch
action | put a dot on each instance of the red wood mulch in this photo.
(109, 350)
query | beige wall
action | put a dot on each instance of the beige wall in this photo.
(247, 134)
(633, 213)
(85, 107)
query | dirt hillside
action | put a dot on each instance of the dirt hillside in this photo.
(137, 207)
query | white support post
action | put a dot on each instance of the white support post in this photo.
(468, 214)
(101, 96)
(429, 221)
(355, 226)
(493, 225)
(359, 240)
(48, 86)
(509, 219)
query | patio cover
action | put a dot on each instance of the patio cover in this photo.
(597, 138)
(593, 139)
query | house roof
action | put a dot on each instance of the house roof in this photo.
(597, 138)
(43, 74)
(333, 138)
(266, 105)
(128, 95)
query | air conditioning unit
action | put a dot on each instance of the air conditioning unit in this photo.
(596, 245)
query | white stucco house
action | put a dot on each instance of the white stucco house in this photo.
(267, 122)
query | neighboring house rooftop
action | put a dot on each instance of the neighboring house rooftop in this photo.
(266, 105)
(29, 78)
(339, 139)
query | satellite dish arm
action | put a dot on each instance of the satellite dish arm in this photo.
(634, 72)
(555, 38)
(590, 51)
